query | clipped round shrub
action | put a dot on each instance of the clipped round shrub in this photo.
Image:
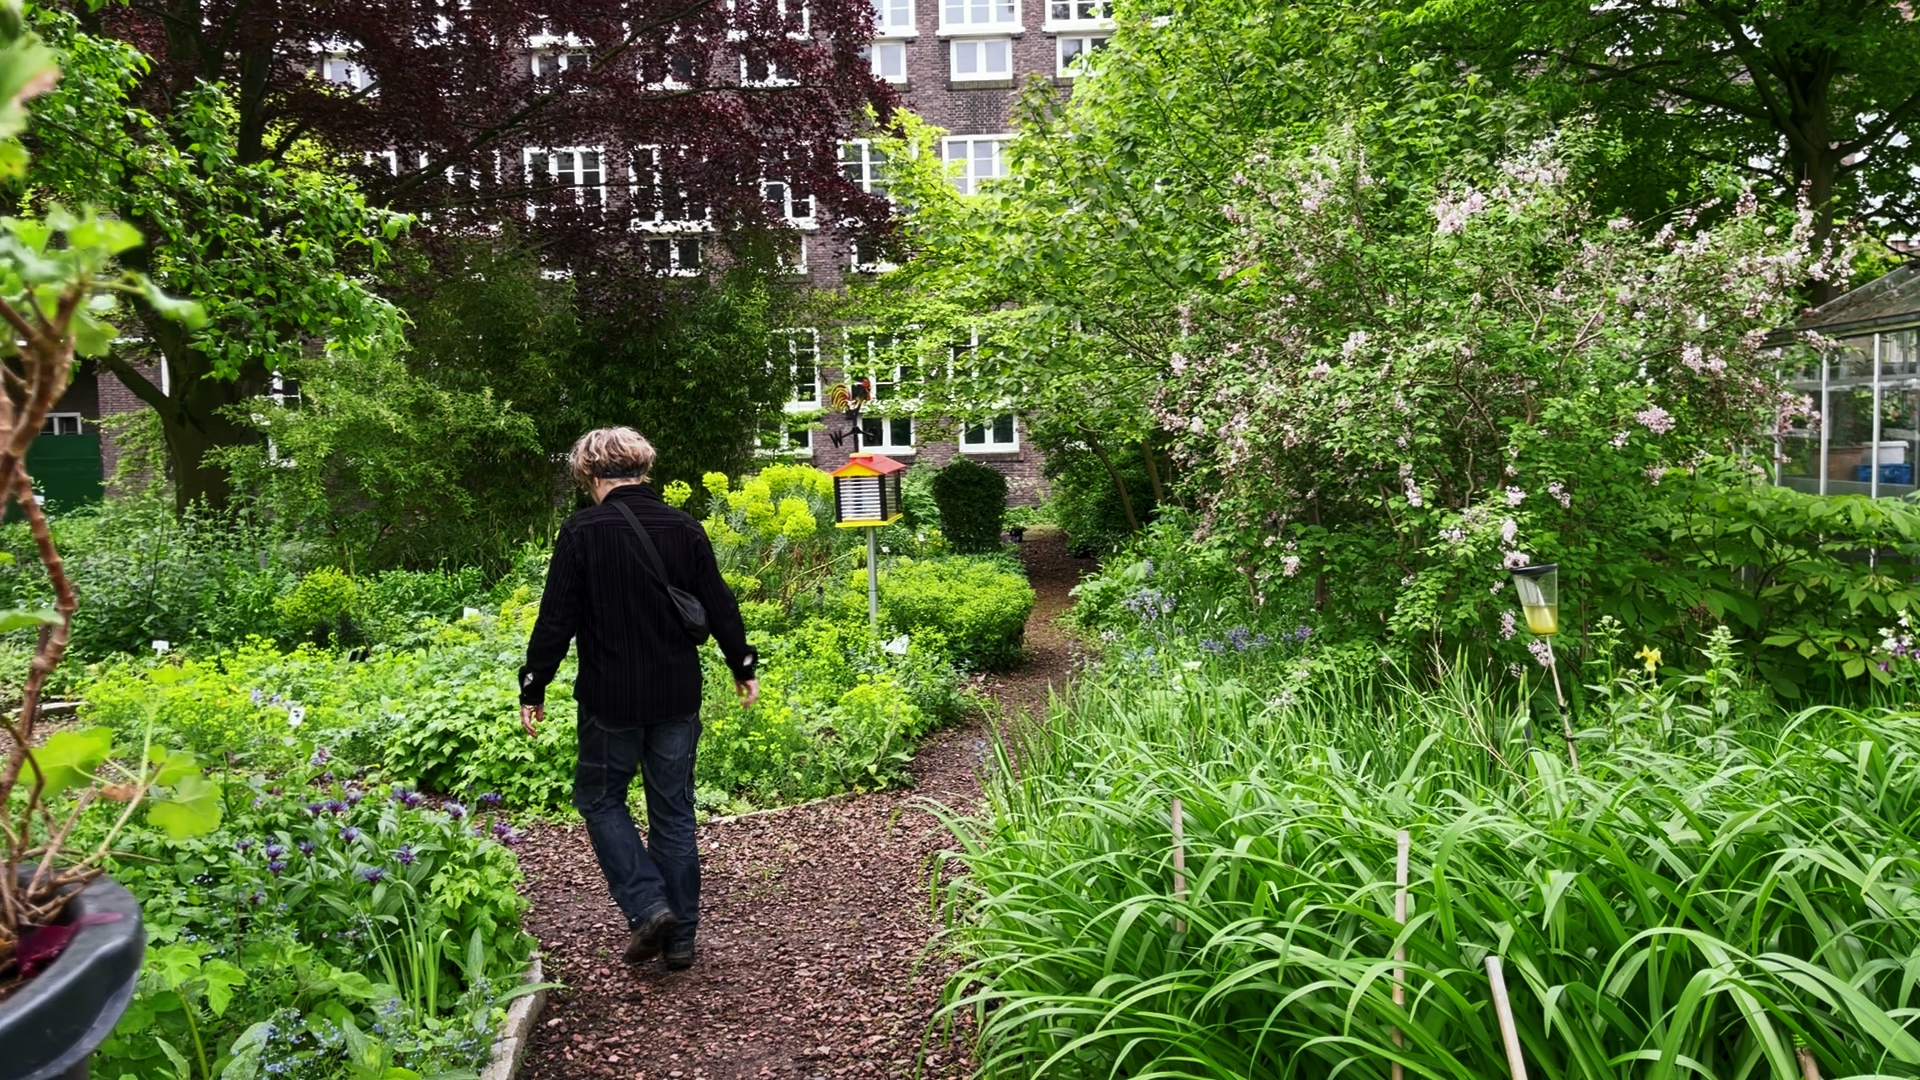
(322, 606)
(972, 500)
(978, 606)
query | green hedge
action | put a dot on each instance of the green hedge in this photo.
(972, 500)
(979, 605)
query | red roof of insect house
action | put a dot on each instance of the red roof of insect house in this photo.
(866, 491)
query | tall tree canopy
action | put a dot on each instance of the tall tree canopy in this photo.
(1817, 96)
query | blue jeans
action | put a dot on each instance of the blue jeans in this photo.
(666, 868)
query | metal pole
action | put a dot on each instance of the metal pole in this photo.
(1566, 725)
(1873, 474)
(873, 578)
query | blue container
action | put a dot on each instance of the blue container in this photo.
(1895, 472)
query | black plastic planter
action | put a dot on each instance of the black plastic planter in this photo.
(50, 1026)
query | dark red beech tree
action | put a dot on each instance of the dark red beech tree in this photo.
(633, 141)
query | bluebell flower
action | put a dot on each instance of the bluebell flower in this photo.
(257, 697)
(1240, 637)
(1300, 633)
(1211, 646)
(1261, 641)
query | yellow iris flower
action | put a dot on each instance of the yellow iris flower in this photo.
(1650, 656)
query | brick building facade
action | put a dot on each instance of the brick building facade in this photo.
(958, 64)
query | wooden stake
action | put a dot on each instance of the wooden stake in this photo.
(1400, 951)
(1809, 1069)
(1503, 1012)
(1566, 725)
(1179, 864)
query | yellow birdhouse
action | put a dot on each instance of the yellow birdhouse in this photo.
(866, 491)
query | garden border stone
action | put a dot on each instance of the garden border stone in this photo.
(510, 1047)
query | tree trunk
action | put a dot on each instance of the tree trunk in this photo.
(1153, 472)
(195, 418)
(1119, 482)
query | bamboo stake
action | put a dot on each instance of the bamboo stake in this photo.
(1503, 1011)
(1400, 951)
(1179, 863)
(1566, 725)
(1809, 1069)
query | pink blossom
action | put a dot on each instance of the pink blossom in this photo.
(1515, 496)
(1413, 494)
(1509, 529)
(1542, 651)
(1655, 472)
(1514, 560)
(1320, 370)
(1619, 439)
(1655, 419)
(1452, 216)
(1507, 629)
(1354, 343)
(1559, 492)
(1290, 565)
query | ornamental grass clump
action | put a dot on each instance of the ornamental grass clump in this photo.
(1715, 901)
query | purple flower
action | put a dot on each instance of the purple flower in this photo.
(275, 867)
(258, 897)
(320, 757)
(1261, 641)
(314, 808)
(1301, 633)
(502, 830)
(405, 855)
(349, 834)
(1655, 419)
(411, 799)
(1211, 646)
(373, 874)
(512, 839)
(354, 797)
(306, 847)
(1239, 637)
(257, 697)
(274, 850)
(243, 845)
(490, 800)
(455, 810)
(335, 806)
(326, 777)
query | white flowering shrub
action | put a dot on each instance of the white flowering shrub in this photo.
(1411, 388)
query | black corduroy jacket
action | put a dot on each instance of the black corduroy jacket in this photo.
(636, 664)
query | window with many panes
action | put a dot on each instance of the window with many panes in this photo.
(759, 69)
(63, 423)
(979, 59)
(964, 16)
(1074, 51)
(974, 159)
(792, 16)
(860, 163)
(1078, 13)
(578, 173)
(662, 200)
(997, 435)
(799, 350)
(893, 18)
(778, 436)
(675, 256)
(889, 60)
(885, 385)
(792, 201)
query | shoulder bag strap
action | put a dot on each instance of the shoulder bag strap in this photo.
(646, 544)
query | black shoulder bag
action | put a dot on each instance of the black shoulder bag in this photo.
(691, 612)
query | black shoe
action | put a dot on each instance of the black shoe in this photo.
(643, 944)
(679, 955)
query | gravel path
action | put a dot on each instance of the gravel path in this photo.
(812, 958)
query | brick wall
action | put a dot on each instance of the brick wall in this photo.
(115, 399)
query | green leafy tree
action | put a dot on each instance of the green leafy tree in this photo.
(1816, 97)
(276, 253)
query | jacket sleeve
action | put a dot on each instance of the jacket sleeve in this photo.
(559, 620)
(723, 611)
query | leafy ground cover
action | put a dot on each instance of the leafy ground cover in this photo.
(1719, 888)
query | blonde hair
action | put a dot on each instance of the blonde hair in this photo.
(613, 453)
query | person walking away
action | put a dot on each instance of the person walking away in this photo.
(639, 684)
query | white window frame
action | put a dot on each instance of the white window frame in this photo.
(883, 48)
(361, 78)
(885, 27)
(775, 76)
(1075, 20)
(979, 48)
(966, 182)
(795, 264)
(868, 367)
(562, 55)
(1003, 18)
(991, 445)
(655, 158)
(550, 157)
(802, 341)
(673, 80)
(57, 420)
(797, 210)
(787, 448)
(866, 162)
(676, 255)
(782, 8)
(1062, 69)
(390, 158)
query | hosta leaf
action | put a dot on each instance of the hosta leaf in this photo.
(22, 618)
